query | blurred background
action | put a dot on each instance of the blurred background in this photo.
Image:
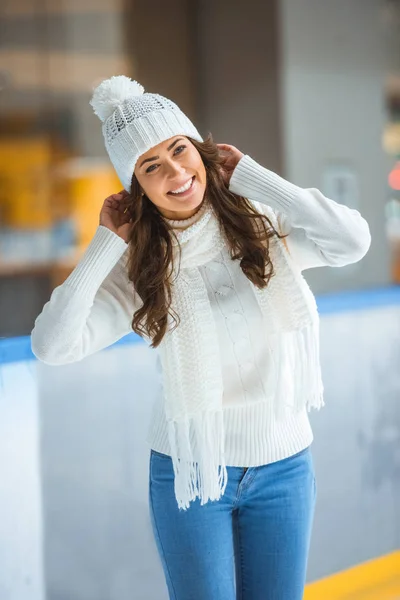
(310, 89)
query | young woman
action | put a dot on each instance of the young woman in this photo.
(202, 255)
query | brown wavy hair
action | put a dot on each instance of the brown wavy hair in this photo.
(150, 253)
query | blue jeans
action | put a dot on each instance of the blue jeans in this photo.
(251, 544)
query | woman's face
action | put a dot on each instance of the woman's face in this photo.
(173, 176)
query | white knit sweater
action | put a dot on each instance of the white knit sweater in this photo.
(95, 305)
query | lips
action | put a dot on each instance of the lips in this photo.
(183, 188)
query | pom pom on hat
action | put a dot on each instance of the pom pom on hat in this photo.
(111, 93)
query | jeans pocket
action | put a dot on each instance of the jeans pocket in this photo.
(161, 467)
(159, 454)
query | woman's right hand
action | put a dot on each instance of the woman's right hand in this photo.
(112, 214)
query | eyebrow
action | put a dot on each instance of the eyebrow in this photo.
(157, 157)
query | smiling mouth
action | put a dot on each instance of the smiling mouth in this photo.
(184, 189)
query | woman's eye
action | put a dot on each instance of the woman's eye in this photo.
(179, 149)
(151, 168)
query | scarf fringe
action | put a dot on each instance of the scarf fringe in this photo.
(298, 383)
(197, 451)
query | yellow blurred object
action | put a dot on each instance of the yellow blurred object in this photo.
(378, 579)
(88, 183)
(25, 182)
(391, 138)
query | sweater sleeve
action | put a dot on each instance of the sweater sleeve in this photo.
(92, 309)
(321, 232)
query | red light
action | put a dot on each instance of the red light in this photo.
(394, 177)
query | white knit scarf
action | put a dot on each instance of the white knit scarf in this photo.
(192, 381)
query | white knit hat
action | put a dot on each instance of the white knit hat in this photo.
(134, 122)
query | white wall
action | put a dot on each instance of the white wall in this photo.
(334, 62)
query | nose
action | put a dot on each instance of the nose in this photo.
(174, 168)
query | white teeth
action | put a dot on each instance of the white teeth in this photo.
(183, 188)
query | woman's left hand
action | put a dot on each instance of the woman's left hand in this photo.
(230, 158)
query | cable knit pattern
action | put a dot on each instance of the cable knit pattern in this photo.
(228, 302)
(241, 369)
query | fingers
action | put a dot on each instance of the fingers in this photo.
(114, 198)
(120, 199)
(226, 152)
(121, 195)
(225, 147)
(119, 202)
(232, 150)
